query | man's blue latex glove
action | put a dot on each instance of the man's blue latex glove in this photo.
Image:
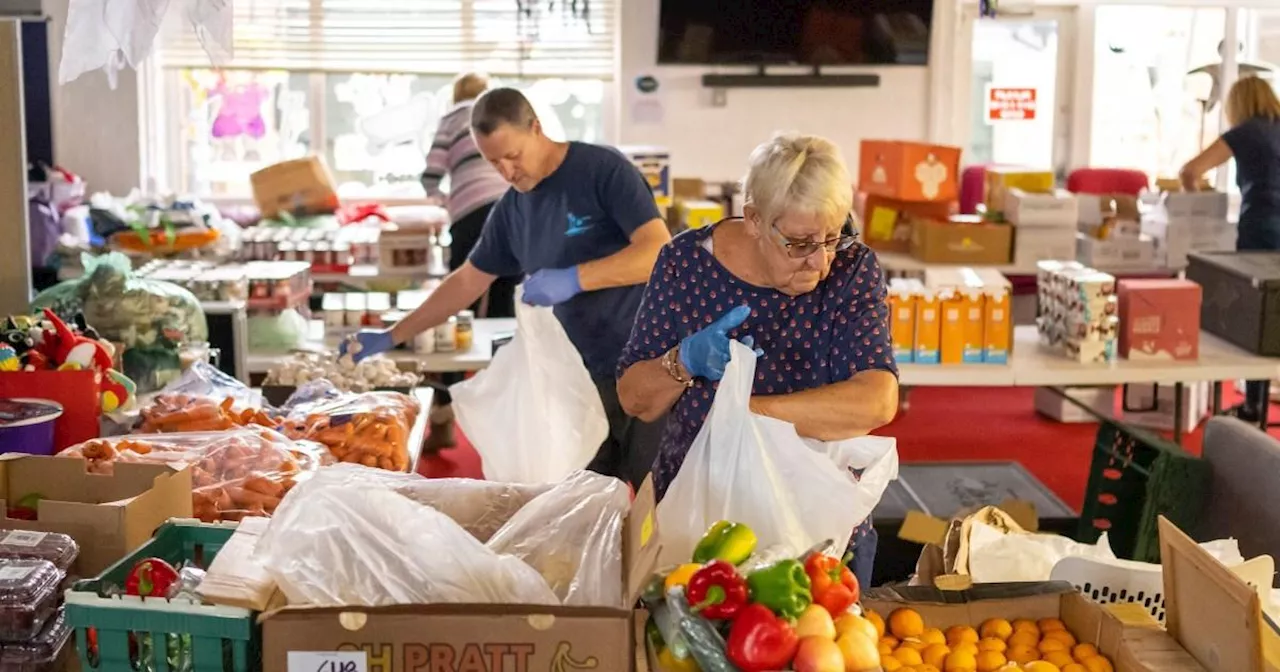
(705, 354)
(551, 286)
(369, 342)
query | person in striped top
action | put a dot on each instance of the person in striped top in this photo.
(474, 187)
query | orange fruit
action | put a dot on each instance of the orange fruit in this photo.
(933, 636)
(1059, 658)
(935, 654)
(960, 661)
(1022, 654)
(876, 620)
(890, 664)
(990, 661)
(908, 656)
(926, 668)
(960, 634)
(1062, 636)
(913, 643)
(1024, 638)
(1051, 624)
(966, 647)
(1040, 666)
(1082, 651)
(886, 649)
(1051, 645)
(1097, 663)
(1074, 667)
(1027, 624)
(992, 644)
(906, 623)
(996, 627)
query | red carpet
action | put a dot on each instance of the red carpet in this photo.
(941, 425)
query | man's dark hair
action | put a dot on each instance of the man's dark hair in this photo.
(499, 106)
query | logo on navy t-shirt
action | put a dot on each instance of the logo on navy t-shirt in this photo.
(578, 225)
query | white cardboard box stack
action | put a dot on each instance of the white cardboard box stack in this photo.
(1153, 406)
(1078, 311)
(1125, 247)
(1182, 223)
(1044, 225)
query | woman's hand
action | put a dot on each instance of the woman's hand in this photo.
(705, 354)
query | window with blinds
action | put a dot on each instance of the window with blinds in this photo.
(512, 38)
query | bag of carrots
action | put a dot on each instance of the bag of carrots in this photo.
(178, 412)
(238, 473)
(371, 428)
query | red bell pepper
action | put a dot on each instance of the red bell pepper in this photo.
(717, 591)
(152, 577)
(759, 641)
(835, 588)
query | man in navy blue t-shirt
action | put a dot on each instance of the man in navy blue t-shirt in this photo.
(581, 222)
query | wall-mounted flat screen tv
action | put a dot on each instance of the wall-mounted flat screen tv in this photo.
(794, 32)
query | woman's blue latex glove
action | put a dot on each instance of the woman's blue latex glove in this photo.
(370, 342)
(705, 354)
(551, 286)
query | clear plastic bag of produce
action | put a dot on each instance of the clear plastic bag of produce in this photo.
(236, 473)
(572, 534)
(170, 412)
(356, 536)
(371, 428)
(203, 379)
(336, 541)
(757, 471)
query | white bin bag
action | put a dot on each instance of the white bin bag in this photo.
(534, 415)
(794, 492)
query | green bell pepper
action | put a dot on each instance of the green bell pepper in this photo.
(730, 542)
(783, 587)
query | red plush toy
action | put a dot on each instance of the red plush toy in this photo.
(68, 350)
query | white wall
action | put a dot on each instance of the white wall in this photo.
(97, 131)
(713, 142)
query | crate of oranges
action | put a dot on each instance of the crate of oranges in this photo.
(1027, 627)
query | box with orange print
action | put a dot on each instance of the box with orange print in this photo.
(479, 637)
(909, 171)
(886, 222)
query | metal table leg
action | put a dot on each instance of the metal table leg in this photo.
(1178, 414)
(1217, 397)
(1264, 413)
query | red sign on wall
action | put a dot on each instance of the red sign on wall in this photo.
(1010, 103)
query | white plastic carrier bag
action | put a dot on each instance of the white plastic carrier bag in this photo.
(534, 415)
(794, 492)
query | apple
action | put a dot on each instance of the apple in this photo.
(858, 624)
(814, 621)
(818, 654)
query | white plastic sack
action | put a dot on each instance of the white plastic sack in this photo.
(534, 415)
(751, 469)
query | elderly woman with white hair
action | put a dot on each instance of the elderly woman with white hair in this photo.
(790, 279)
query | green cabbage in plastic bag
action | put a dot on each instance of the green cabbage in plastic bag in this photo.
(151, 318)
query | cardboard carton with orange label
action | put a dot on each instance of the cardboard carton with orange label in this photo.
(886, 222)
(909, 171)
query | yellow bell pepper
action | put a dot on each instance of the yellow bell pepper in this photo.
(667, 662)
(680, 576)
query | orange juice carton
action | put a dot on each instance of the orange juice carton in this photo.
(962, 319)
(997, 322)
(952, 330)
(903, 296)
(928, 335)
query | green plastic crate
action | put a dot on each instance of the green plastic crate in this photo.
(1135, 477)
(223, 639)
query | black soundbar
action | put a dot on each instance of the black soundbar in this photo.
(798, 81)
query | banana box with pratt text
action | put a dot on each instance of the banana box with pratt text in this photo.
(472, 637)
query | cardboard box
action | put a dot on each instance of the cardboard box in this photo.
(108, 516)
(697, 214)
(298, 187)
(411, 638)
(909, 171)
(1000, 181)
(1058, 209)
(1101, 401)
(1152, 406)
(1159, 319)
(1034, 244)
(1182, 205)
(1178, 238)
(886, 222)
(963, 240)
(1130, 648)
(1117, 254)
(1094, 208)
(903, 296)
(655, 164)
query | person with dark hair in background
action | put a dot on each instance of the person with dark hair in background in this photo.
(1253, 110)
(580, 220)
(474, 188)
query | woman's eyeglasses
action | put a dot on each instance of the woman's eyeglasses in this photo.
(799, 250)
